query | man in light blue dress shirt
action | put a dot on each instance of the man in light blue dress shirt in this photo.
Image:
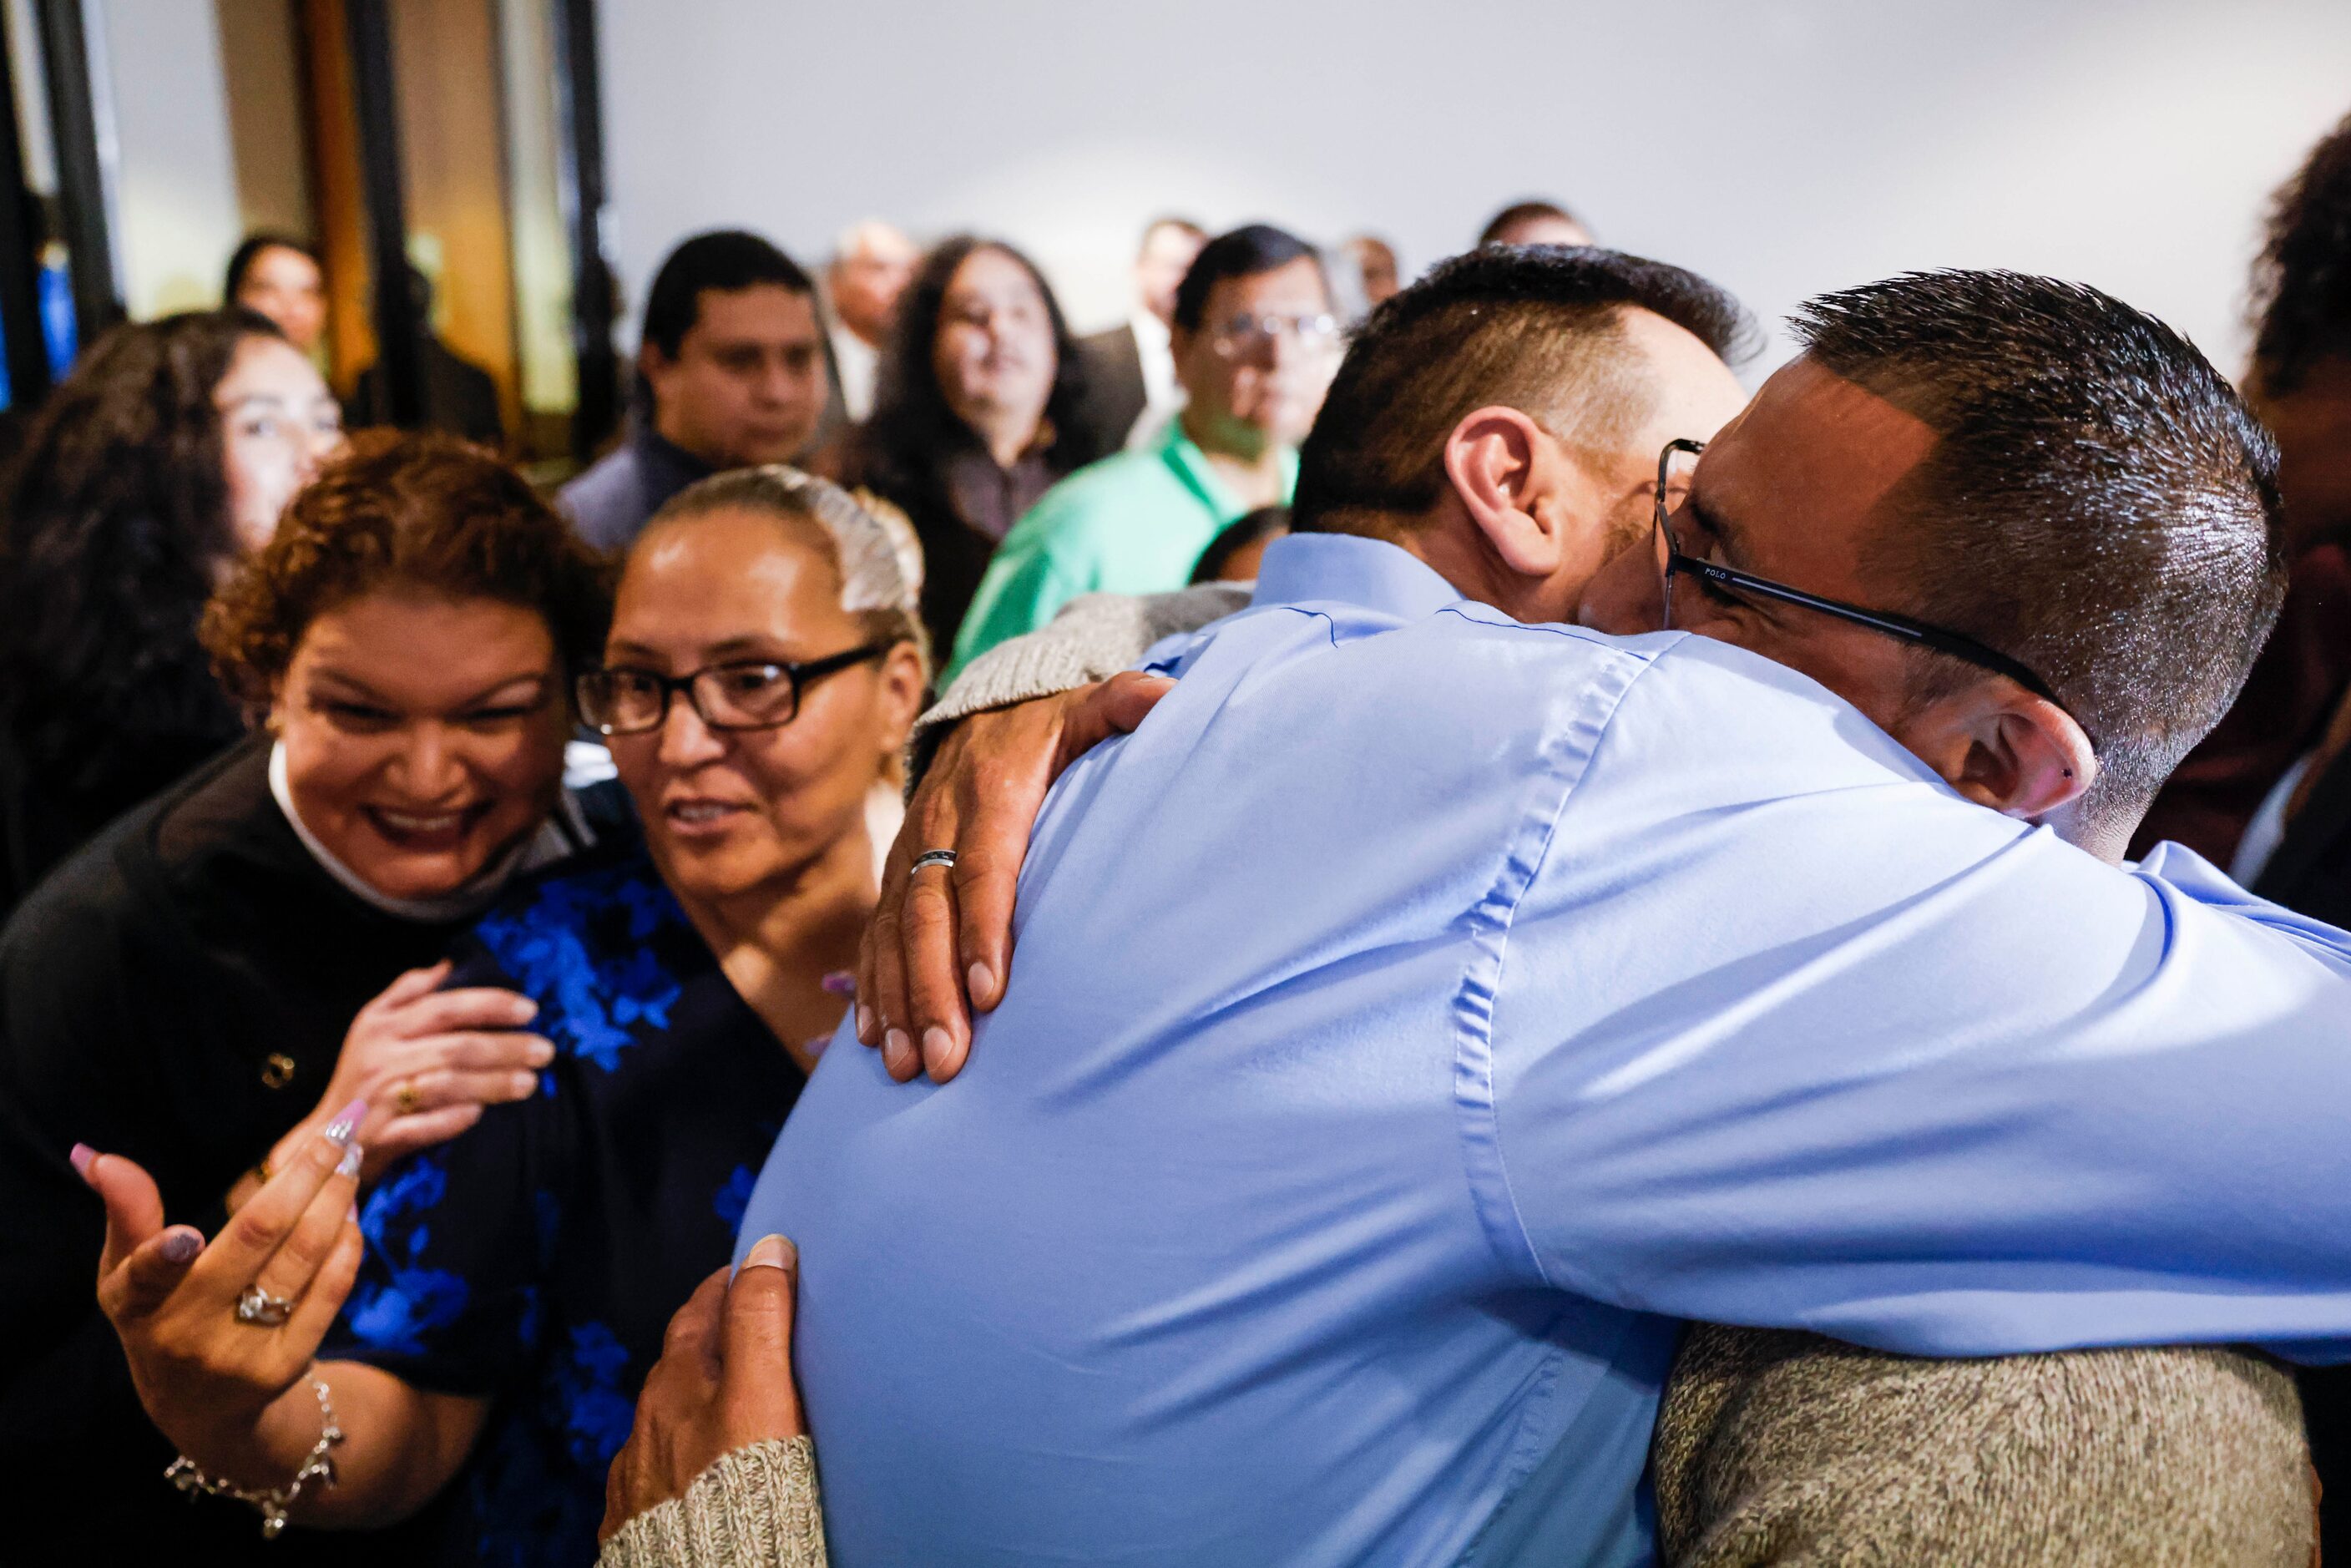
(1424, 1011)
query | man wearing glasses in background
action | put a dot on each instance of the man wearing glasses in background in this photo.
(1255, 344)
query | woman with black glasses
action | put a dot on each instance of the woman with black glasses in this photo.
(764, 666)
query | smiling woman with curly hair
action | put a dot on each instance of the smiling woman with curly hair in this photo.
(225, 969)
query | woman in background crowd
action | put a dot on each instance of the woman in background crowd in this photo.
(763, 669)
(207, 980)
(980, 411)
(166, 456)
(278, 277)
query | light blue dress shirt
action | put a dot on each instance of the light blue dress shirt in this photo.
(1422, 1013)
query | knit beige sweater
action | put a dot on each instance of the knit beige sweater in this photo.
(1778, 1447)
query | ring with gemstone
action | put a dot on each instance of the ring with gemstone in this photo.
(259, 1307)
(405, 1100)
(930, 858)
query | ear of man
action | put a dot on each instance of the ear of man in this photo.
(2002, 746)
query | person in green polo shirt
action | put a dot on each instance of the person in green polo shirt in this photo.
(1254, 346)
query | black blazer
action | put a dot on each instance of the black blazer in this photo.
(1115, 395)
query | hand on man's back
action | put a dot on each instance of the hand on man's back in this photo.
(940, 943)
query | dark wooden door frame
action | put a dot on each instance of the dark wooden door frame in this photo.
(580, 152)
(81, 180)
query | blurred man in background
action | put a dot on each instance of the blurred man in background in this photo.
(1375, 265)
(1535, 223)
(871, 265)
(1130, 368)
(730, 373)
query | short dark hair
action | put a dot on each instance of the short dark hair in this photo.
(1519, 213)
(1244, 252)
(725, 260)
(422, 509)
(2302, 284)
(1536, 327)
(249, 251)
(2099, 503)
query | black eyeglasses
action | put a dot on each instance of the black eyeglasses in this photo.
(752, 693)
(1671, 560)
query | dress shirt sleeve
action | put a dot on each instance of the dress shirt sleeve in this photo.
(1784, 1034)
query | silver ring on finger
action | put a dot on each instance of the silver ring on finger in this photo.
(260, 1308)
(930, 858)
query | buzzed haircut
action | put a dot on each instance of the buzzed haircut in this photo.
(1519, 213)
(2302, 284)
(1535, 328)
(1244, 252)
(723, 260)
(2099, 503)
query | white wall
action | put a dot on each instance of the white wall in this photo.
(176, 196)
(1780, 146)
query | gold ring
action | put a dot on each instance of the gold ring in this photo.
(404, 1100)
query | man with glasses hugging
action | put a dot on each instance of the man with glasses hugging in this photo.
(1362, 1173)
(1255, 342)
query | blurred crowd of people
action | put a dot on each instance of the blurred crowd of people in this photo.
(427, 898)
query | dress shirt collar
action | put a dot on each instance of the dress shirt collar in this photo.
(1350, 569)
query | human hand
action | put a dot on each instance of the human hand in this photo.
(207, 1376)
(426, 1061)
(723, 1382)
(940, 944)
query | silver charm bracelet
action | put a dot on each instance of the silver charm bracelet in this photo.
(318, 1466)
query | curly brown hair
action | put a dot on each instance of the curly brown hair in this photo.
(2302, 284)
(422, 510)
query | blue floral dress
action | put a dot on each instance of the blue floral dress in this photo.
(537, 1259)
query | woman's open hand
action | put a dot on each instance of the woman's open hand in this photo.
(207, 1373)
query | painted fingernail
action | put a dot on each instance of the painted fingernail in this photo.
(81, 1158)
(982, 980)
(540, 1053)
(773, 1252)
(897, 1051)
(527, 1010)
(864, 1021)
(524, 1082)
(341, 1128)
(839, 983)
(349, 1165)
(180, 1246)
(936, 1043)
